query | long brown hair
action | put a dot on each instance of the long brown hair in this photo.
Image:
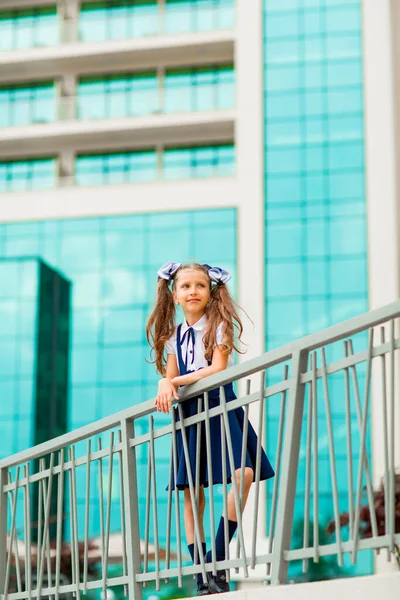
(220, 309)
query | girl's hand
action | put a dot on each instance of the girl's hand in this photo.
(166, 391)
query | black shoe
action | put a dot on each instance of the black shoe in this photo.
(203, 589)
(218, 583)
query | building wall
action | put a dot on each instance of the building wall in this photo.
(315, 201)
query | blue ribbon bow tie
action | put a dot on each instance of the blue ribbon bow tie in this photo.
(191, 338)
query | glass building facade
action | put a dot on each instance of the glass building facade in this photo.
(145, 93)
(26, 104)
(121, 19)
(34, 347)
(315, 209)
(138, 18)
(112, 264)
(27, 28)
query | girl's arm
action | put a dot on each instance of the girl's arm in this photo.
(218, 363)
(166, 389)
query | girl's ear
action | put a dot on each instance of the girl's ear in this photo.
(174, 297)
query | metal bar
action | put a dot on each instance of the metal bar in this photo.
(370, 492)
(290, 459)
(315, 456)
(101, 503)
(122, 509)
(131, 510)
(243, 460)
(392, 466)
(277, 470)
(210, 481)
(87, 504)
(155, 514)
(12, 534)
(191, 490)
(46, 525)
(224, 489)
(27, 526)
(71, 525)
(306, 529)
(197, 474)
(362, 453)
(17, 565)
(46, 534)
(74, 515)
(39, 521)
(176, 497)
(385, 439)
(147, 517)
(4, 475)
(169, 515)
(349, 443)
(60, 511)
(108, 516)
(234, 482)
(258, 469)
(332, 459)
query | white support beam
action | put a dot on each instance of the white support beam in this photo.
(381, 94)
(116, 56)
(250, 172)
(114, 134)
(107, 200)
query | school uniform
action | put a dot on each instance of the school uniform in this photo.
(187, 345)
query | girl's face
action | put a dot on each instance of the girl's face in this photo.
(192, 292)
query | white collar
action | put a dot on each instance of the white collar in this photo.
(198, 326)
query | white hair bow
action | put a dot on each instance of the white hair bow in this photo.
(218, 275)
(168, 270)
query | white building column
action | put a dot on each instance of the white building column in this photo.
(381, 93)
(250, 181)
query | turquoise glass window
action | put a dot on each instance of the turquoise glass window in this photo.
(200, 88)
(209, 161)
(26, 104)
(123, 19)
(29, 28)
(177, 163)
(182, 16)
(24, 175)
(134, 94)
(315, 210)
(118, 96)
(120, 19)
(116, 168)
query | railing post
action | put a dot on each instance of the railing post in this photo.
(3, 529)
(131, 504)
(290, 459)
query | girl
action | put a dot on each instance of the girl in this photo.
(201, 346)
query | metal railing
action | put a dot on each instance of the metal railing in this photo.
(110, 477)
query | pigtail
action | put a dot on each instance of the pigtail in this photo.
(221, 309)
(161, 324)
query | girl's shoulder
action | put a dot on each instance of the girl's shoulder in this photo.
(170, 344)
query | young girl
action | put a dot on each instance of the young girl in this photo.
(201, 346)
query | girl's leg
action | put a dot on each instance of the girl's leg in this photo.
(189, 518)
(248, 480)
(218, 583)
(190, 534)
(232, 516)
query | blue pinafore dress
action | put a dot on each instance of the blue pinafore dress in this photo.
(236, 422)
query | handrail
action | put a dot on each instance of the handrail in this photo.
(321, 397)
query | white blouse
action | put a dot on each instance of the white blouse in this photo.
(199, 361)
